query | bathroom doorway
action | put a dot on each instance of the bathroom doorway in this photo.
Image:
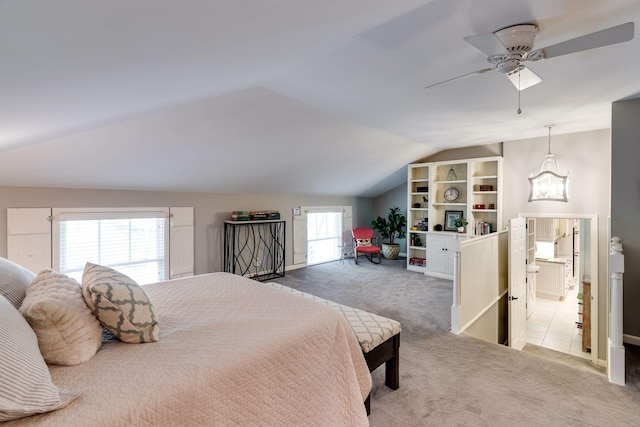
(562, 306)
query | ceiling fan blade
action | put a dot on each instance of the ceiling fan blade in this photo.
(609, 36)
(460, 77)
(524, 78)
(490, 44)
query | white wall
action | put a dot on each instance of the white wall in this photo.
(587, 157)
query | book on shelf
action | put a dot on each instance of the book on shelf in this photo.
(419, 262)
(240, 216)
(481, 228)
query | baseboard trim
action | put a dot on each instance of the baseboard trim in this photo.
(294, 267)
(631, 339)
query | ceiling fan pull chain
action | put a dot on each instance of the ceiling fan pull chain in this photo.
(519, 110)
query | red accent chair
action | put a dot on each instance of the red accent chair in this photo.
(363, 243)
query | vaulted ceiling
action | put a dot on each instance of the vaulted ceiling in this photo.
(282, 96)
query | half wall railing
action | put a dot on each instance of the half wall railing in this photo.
(615, 350)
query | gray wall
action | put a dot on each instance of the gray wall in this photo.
(472, 152)
(381, 204)
(210, 211)
(625, 202)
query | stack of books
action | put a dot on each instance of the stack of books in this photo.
(480, 228)
(258, 215)
(254, 215)
(240, 216)
(420, 262)
(273, 215)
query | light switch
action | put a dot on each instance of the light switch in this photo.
(296, 211)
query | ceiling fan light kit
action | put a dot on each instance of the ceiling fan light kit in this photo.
(507, 49)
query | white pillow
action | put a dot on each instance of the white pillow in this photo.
(68, 332)
(14, 280)
(120, 304)
(25, 383)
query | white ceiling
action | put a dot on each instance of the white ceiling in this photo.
(282, 96)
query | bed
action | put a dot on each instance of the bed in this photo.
(231, 351)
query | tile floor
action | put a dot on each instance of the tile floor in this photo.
(553, 325)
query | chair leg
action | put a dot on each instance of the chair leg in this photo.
(370, 258)
(356, 257)
(367, 404)
(392, 366)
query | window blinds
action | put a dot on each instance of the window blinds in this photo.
(132, 242)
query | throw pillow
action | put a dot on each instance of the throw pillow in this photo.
(25, 383)
(363, 242)
(120, 304)
(68, 332)
(14, 280)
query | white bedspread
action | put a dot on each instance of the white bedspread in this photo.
(231, 352)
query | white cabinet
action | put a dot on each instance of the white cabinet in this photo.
(547, 229)
(552, 279)
(440, 253)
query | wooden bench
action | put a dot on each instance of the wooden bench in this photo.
(379, 337)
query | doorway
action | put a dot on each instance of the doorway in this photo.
(562, 306)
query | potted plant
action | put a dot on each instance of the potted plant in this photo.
(391, 227)
(460, 223)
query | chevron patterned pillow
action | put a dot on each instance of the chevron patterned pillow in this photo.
(120, 304)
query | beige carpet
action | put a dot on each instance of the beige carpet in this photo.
(450, 380)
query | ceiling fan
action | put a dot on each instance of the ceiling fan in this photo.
(509, 48)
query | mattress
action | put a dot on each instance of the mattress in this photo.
(232, 351)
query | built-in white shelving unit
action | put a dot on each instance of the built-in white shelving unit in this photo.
(473, 189)
(417, 216)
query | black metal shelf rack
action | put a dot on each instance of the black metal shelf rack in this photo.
(255, 249)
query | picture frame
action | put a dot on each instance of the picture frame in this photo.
(450, 219)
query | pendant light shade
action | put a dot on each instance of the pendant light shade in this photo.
(548, 184)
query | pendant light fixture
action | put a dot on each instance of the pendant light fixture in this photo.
(548, 184)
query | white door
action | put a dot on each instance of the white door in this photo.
(517, 283)
(181, 242)
(29, 237)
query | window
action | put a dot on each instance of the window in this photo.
(134, 242)
(324, 236)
